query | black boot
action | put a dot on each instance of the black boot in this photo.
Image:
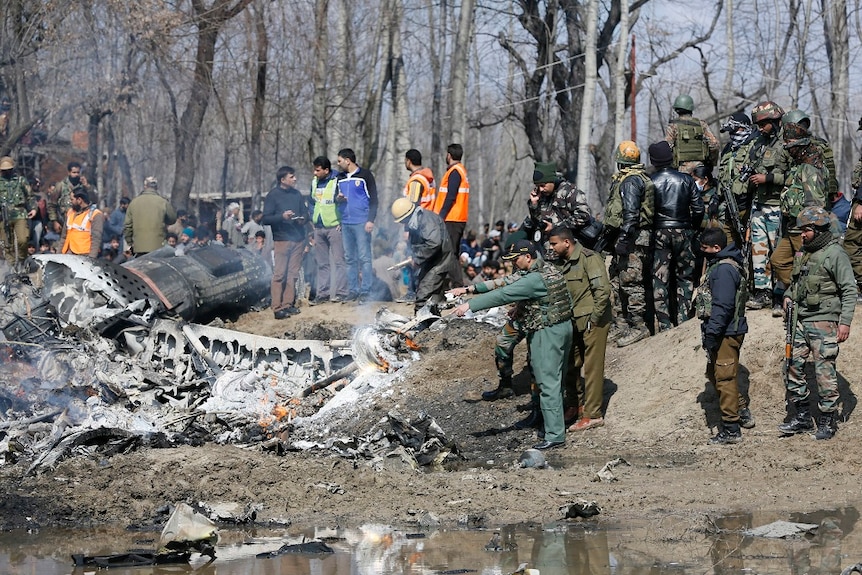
(534, 420)
(727, 435)
(825, 426)
(801, 422)
(503, 391)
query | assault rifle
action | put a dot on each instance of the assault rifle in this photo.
(789, 335)
(742, 230)
(8, 231)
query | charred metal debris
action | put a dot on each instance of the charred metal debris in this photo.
(104, 358)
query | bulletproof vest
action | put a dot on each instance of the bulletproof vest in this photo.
(614, 208)
(703, 300)
(554, 308)
(815, 286)
(690, 145)
(793, 197)
(13, 197)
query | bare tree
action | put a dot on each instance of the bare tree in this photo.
(459, 67)
(590, 79)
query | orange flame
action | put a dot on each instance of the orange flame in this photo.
(411, 345)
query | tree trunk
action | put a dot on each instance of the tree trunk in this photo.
(460, 68)
(340, 130)
(620, 76)
(437, 44)
(837, 51)
(317, 140)
(591, 78)
(255, 159)
(209, 21)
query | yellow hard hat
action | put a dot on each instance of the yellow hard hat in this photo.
(6, 163)
(401, 208)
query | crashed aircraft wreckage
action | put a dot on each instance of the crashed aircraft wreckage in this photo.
(104, 356)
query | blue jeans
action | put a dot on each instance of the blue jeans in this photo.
(357, 255)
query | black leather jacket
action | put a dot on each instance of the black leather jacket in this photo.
(677, 202)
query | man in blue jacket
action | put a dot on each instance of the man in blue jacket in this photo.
(358, 191)
(720, 305)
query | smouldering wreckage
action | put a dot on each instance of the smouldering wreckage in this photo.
(104, 358)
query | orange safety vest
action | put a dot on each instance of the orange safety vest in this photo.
(78, 227)
(458, 213)
(428, 194)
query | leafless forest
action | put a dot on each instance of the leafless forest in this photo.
(216, 94)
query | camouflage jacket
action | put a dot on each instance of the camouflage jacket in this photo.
(61, 199)
(566, 206)
(806, 186)
(767, 155)
(857, 179)
(729, 168)
(829, 164)
(16, 197)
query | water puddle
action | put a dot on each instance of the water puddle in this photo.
(669, 545)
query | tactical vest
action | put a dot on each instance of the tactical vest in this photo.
(690, 144)
(614, 209)
(554, 308)
(815, 288)
(13, 196)
(703, 300)
(325, 208)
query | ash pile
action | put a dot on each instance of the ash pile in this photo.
(98, 358)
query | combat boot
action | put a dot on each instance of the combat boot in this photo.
(801, 422)
(534, 420)
(632, 335)
(778, 305)
(618, 328)
(727, 435)
(761, 299)
(825, 426)
(746, 420)
(503, 391)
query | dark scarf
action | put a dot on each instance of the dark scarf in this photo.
(822, 238)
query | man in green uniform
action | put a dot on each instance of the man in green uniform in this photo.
(590, 288)
(823, 291)
(547, 321)
(18, 205)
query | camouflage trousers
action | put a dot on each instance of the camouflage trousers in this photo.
(820, 339)
(673, 271)
(509, 337)
(627, 280)
(19, 238)
(765, 233)
(853, 247)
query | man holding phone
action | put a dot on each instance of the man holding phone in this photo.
(284, 211)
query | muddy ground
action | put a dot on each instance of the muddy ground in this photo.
(660, 414)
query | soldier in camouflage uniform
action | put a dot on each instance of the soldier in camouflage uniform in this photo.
(769, 162)
(805, 185)
(691, 140)
(18, 206)
(801, 118)
(60, 200)
(554, 202)
(628, 230)
(733, 157)
(547, 321)
(823, 291)
(678, 213)
(853, 235)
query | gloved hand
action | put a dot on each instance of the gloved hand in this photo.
(711, 343)
(712, 209)
(622, 247)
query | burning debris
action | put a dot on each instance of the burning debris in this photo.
(101, 357)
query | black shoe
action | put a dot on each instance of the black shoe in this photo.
(825, 427)
(548, 444)
(291, 310)
(502, 392)
(746, 420)
(352, 296)
(282, 314)
(318, 300)
(535, 419)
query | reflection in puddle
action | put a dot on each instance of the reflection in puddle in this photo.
(671, 545)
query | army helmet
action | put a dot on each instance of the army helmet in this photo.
(628, 153)
(795, 117)
(795, 131)
(767, 110)
(684, 102)
(813, 216)
(7, 163)
(401, 208)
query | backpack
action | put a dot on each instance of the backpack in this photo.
(690, 145)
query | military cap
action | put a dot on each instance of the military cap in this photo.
(519, 248)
